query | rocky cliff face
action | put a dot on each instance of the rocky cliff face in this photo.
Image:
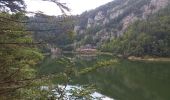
(111, 20)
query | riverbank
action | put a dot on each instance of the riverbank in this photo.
(148, 58)
(89, 53)
(132, 58)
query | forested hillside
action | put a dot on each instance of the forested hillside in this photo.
(144, 37)
(112, 20)
(56, 31)
(126, 27)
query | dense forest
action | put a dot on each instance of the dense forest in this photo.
(144, 37)
(57, 31)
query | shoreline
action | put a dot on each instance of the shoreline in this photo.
(88, 53)
(133, 58)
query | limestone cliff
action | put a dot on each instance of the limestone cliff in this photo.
(111, 20)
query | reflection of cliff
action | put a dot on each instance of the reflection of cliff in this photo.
(86, 57)
(56, 53)
(131, 81)
(55, 56)
(55, 50)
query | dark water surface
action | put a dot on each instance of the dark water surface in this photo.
(124, 80)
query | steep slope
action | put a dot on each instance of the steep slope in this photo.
(112, 20)
(144, 37)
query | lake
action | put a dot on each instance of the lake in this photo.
(123, 80)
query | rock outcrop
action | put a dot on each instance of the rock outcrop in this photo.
(112, 20)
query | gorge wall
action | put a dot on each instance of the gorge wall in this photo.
(112, 19)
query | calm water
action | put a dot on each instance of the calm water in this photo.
(124, 80)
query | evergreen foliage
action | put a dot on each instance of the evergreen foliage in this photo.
(18, 55)
(145, 37)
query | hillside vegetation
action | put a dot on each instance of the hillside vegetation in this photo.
(126, 27)
(112, 20)
(144, 37)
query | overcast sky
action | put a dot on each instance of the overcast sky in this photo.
(76, 6)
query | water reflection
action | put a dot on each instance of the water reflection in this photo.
(126, 80)
(95, 95)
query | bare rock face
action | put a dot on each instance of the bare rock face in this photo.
(116, 14)
(128, 20)
(158, 4)
(106, 21)
(82, 32)
(76, 28)
(154, 6)
(115, 17)
(99, 16)
(90, 22)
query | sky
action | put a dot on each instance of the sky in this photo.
(76, 6)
